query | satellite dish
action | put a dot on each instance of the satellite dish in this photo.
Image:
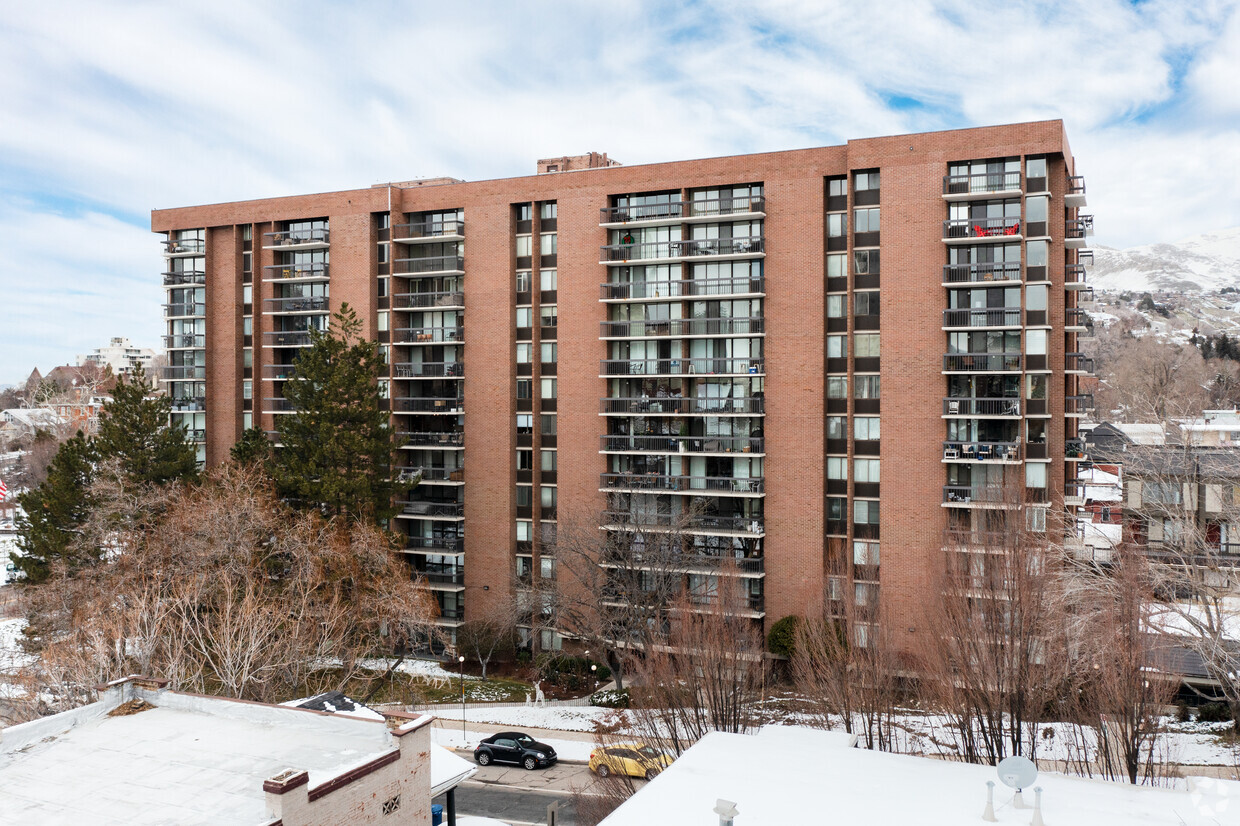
(1017, 772)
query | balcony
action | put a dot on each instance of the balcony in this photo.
(683, 211)
(288, 338)
(678, 250)
(430, 265)
(1074, 493)
(176, 279)
(185, 372)
(981, 273)
(184, 310)
(642, 213)
(441, 300)
(438, 574)
(274, 405)
(682, 367)
(1085, 258)
(1078, 363)
(428, 370)
(681, 444)
(298, 239)
(1075, 196)
(428, 335)
(982, 317)
(711, 524)
(1078, 405)
(1076, 320)
(683, 328)
(1074, 450)
(435, 544)
(968, 230)
(977, 494)
(279, 372)
(188, 404)
(315, 271)
(447, 440)
(982, 407)
(429, 231)
(1074, 277)
(989, 185)
(301, 304)
(683, 405)
(688, 563)
(1077, 230)
(690, 288)
(197, 436)
(185, 247)
(431, 510)
(185, 341)
(433, 475)
(981, 452)
(427, 405)
(646, 482)
(982, 363)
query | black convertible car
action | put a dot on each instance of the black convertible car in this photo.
(514, 747)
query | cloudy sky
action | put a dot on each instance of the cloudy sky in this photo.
(110, 109)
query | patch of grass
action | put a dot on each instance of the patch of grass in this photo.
(480, 691)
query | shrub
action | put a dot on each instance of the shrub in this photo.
(1182, 712)
(610, 698)
(1213, 713)
(782, 638)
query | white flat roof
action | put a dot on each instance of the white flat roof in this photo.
(191, 760)
(784, 776)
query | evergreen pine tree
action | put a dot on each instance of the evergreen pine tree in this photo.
(337, 453)
(51, 513)
(134, 428)
(252, 449)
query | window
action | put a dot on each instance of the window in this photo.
(865, 262)
(385, 389)
(546, 280)
(865, 345)
(548, 424)
(247, 262)
(837, 224)
(837, 467)
(1035, 475)
(865, 180)
(525, 459)
(866, 387)
(549, 209)
(835, 265)
(383, 321)
(865, 303)
(865, 553)
(834, 590)
(247, 420)
(836, 507)
(865, 512)
(1035, 168)
(1038, 253)
(547, 316)
(837, 387)
(865, 470)
(525, 531)
(524, 246)
(546, 496)
(864, 594)
(1036, 297)
(523, 281)
(547, 243)
(1036, 208)
(525, 388)
(384, 253)
(523, 352)
(525, 423)
(382, 287)
(1035, 519)
(837, 347)
(836, 304)
(247, 389)
(247, 357)
(837, 427)
(865, 220)
(550, 351)
(1035, 342)
(547, 459)
(837, 187)
(524, 496)
(247, 232)
(247, 294)
(524, 212)
(866, 428)
(247, 326)
(525, 317)
(547, 389)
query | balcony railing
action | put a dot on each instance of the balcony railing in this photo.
(1079, 363)
(437, 544)
(316, 269)
(428, 335)
(693, 209)
(681, 444)
(428, 370)
(982, 228)
(279, 372)
(427, 405)
(288, 338)
(173, 279)
(690, 288)
(425, 508)
(981, 183)
(454, 613)
(1074, 448)
(1076, 185)
(442, 574)
(1078, 404)
(433, 474)
(981, 407)
(748, 525)
(185, 246)
(302, 304)
(1085, 258)
(416, 300)
(966, 494)
(982, 362)
(641, 212)
(682, 249)
(295, 237)
(191, 309)
(681, 367)
(741, 205)
(658, 481)
(1078, 317)
(1074, 274)
(420, 438)
(196, 435)
(683, 405)
(427, 230)
(677, 327)
(977, 273)
(982, 451)
(431, 264)
(983, 317)
(184, 341)
(684, 562)
(184, 372)
(1079, 227)
(279, 405)
(188, 403)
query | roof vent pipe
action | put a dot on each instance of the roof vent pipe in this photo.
(726, 810)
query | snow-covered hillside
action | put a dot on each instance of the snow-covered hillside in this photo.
(1203, 263)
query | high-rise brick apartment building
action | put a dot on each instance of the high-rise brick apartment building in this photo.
(830, 357)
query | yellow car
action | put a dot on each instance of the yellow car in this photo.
(632, 759)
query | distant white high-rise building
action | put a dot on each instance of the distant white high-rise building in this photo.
(121, 356)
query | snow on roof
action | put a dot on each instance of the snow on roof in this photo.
(1142, 434)
(188, 760)
(448, 770)
(1102, 534)
(335, 702)
(800, 775)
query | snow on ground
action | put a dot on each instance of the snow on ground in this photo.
(451, 737)
(11, 655)
(417, 668)
(560, 718)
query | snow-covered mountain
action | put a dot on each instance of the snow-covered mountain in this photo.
(1203, 263)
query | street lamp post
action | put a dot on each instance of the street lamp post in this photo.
(461, 660)
(594, 675)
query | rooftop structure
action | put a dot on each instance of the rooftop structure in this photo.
(121, 356)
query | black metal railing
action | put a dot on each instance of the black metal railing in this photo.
(1079, 227)
(681, 249)
(1078, 362)
(427, 405)
(428, 370)
(749, 525)
(664, 482)
(966, 494)
(279, 372)
(982, 317)
(684, 405)
(279, 405)
(295, 237)
(981, 183)
(682, 327)
(183, 341)
(430, 264)
(1074, 274)
(185, 246)
(682, 444)
(428, 335)
(979, 272)
(433, 474)
(982, 228)
(300, 304)
(288, 338)
(1076, 184)
(184, 403)
(184, 372)
(641, 212)
(983, 362)
(418, 300)
(681, 367)
(314, 269)
(1078, 404)
(420, 438)
(445, 544)
(691, 288)
(427, 229)
(1007, 406)
(190, 309)
(172, 279)
(429, 508)
(982, 451)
